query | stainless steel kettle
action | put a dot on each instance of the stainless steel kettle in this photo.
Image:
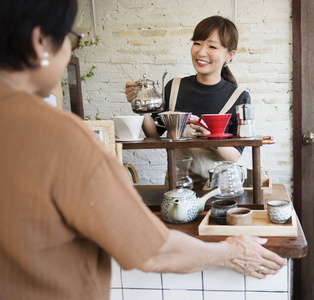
(147, 99)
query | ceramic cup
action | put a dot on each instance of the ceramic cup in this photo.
(219, 210)
(239, 216)
(127, 128)
(279, 211)
(214, 123)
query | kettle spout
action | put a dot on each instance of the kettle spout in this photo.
(201, 201)
(177, 211)
(163, 86)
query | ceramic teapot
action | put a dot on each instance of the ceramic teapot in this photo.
(147, 99)
(182, 206)
(229, 177)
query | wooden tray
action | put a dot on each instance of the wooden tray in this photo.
(261, 226)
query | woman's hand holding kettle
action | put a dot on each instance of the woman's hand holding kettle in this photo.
(130, 90)
(148, 126)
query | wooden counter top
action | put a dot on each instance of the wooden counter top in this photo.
(288, 247)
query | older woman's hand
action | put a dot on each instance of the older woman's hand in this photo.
(199, 130)
(130, 90)
(247, 256)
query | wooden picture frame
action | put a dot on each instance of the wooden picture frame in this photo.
(75, 89)
(105, 132)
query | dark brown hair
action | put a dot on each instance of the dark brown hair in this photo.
(17, 21)
(228, 35)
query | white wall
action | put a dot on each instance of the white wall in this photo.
(141, 36)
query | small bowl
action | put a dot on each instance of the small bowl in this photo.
(279, 211)
(219, 210)
(239, 216)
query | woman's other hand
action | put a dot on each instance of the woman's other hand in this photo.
(130, 90)
(248, 256)
(199, 130)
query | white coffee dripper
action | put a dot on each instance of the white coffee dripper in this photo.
(127, 128)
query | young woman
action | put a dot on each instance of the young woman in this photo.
(215, 41)
(67, 205)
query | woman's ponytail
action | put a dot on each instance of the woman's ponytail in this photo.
(227, 75)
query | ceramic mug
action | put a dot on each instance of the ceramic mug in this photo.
(279, 211)
(219, 210)
(127, 128)
(239, 216)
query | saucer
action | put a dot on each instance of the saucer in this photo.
(218, 135)
(129, 140)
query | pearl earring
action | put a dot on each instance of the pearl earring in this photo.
(45, 62)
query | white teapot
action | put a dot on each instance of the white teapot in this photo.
(182, 206)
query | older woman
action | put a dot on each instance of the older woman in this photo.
(67, 205)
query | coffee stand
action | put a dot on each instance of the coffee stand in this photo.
(293, 247)
(290, 247)
(252, 199)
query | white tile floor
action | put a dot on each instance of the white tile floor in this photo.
(216, 284)
(223, 279)
(266, 295)
(140, 294)
(182, 281)
(223, 295)
(116, 294)
(269, 284)
(139, 279)
(182, 295)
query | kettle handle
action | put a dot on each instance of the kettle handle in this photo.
(240, 168)
(157, 124)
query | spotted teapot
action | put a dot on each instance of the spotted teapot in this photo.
(182, 206)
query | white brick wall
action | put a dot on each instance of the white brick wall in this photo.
(141, 36)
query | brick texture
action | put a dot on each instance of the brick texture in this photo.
(140, 36)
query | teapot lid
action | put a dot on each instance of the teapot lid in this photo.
(145, 81)
(180, 192)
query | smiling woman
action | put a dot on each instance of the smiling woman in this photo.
(218, 34)
(213, 90)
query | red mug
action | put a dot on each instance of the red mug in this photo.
(215, 123)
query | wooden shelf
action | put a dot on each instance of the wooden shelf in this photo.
(171, 145)
(199, 142)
